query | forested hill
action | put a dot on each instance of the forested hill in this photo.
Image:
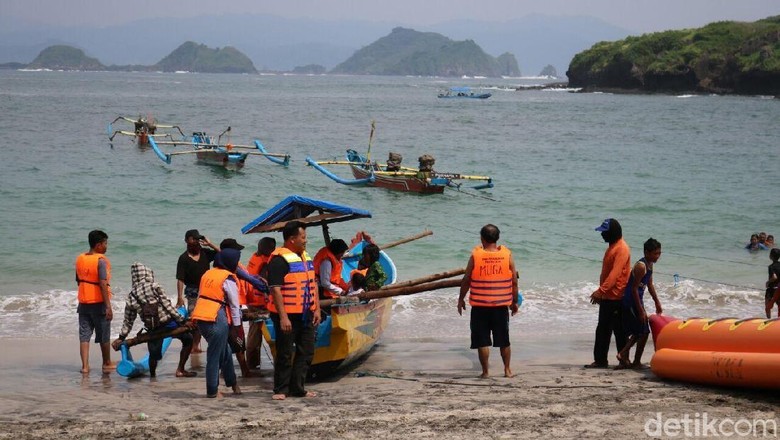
(409, 52)
(194, 57)
(721, 57)
(189, 57)
(64, 58)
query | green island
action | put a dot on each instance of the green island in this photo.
(409, 52)
(189, 57)
(723, 57)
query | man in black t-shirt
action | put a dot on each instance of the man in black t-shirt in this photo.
(192, 264)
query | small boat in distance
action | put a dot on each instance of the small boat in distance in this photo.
(144, 128)
(464, 93)
(391, 175)
(210, 152)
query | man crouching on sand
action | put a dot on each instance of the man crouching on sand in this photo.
(492, 278)
(147, 299)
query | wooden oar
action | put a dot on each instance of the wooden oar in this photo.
(425, 233)
(396, 243)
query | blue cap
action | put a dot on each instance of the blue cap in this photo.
(604, 226)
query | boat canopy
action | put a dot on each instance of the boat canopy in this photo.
(460, 89)
(300, 208)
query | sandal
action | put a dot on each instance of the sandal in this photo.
(186, 373)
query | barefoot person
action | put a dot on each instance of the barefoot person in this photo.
(492, 279)
(294, 313)
(615, 270)
(635, 323)
(147, 299)
(218, 316)
(93, 275)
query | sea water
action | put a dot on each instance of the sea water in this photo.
(696, 172)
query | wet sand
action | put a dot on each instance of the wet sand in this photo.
(419, 389)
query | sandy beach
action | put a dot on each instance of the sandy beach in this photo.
(420, 389)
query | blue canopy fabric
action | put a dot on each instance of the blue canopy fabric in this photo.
(300, 208)
(461, 89)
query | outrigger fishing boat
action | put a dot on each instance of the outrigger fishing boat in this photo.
(207, 151)
(392, 175)
(463, 93)
(144, 128)
(350, 330)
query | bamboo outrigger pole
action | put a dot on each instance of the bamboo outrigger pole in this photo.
(423, 284)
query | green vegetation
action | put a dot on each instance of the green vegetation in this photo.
(193, 57)
(721, 57)
(64, 58)
(409, 52)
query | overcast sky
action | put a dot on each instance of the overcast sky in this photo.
(633, 15)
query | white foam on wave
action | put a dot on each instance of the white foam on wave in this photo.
(547, 309)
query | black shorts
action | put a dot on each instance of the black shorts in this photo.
(487, 320)
(155, 347)
(632, 325)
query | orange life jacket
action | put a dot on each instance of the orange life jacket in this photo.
(491, 278)
(335, 272)
(352, 273)
(254, 267)
(211, 297)
(299, 286)
(257, 263)
(88, 278)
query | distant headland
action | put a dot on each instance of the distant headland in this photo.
(726, 57)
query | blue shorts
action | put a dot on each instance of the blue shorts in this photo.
(92, 318)
(487, 320)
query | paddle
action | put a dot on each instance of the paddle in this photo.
(396, 243)
(389, 292)
(370, 138)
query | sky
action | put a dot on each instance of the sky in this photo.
(633, 15)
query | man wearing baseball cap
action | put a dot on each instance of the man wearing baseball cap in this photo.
(615, 272)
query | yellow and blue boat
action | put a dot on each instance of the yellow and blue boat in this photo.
(350, 331)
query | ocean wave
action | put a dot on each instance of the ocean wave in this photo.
(547, 308)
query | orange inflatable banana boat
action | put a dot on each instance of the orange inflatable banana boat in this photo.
(726, 351)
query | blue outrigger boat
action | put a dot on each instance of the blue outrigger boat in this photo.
(350, 330)
(227, 155)
(463, 93)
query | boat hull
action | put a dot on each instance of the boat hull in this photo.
(725, 352)
(230, 161)
(398, 183)
(346, 335)
(350, 331)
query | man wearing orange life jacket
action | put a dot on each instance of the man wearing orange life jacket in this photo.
(218, 316)
(248, 292)
(257, 300)
(295, 312)
(327, 268)
(492, 279)
(93, 275)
